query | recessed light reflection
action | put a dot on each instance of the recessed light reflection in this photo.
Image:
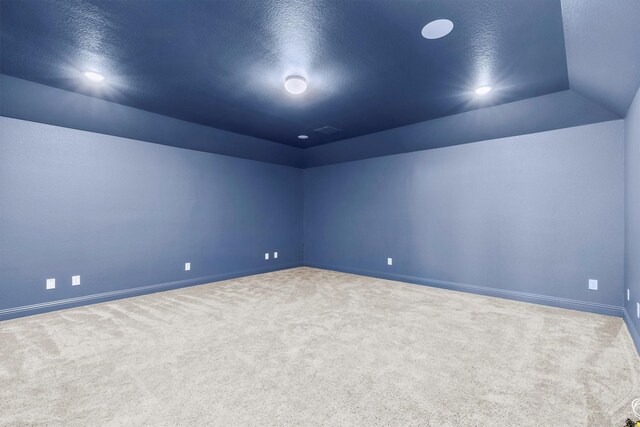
(303, 137)
(295, 85)
(483, 90)
(93, 76)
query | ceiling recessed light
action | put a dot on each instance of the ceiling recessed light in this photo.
(303, 137)
(436, 29)
(483, 90)
(295, 85)
(93, 76)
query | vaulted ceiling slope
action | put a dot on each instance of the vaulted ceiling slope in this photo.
(602, 41)
(25, 100)
(554, 111)
(368, 68)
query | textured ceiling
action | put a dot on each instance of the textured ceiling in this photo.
(223, 63)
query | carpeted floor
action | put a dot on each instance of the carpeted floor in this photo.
(313, 347)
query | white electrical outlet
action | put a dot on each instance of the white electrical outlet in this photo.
(266, 255)
(389, 261)
(275, 255)
(51, 283)
(628, 294)
(75, 280)
(187, 266)
(593, 284)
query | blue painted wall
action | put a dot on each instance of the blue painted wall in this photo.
(123, 214)
(529, 217)
(632, 217)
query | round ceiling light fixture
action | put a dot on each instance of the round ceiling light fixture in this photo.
(483, 90)
(303, 137)
(93, 76)
(295, 85)
(437, 29)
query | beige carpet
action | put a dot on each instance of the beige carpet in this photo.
(313, 347)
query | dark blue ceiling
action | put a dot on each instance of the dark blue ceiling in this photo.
(223, 63)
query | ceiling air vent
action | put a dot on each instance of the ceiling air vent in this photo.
(327, 130)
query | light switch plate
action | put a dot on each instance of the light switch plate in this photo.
(593, 284)
(389, 261)
(187, 266)
(51, 283)
(266, 255)
(75, 280)
(275, 255)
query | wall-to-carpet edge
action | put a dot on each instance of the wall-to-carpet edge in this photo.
(635, 335)
(28, 310)
(591, 307)
(632, 216)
